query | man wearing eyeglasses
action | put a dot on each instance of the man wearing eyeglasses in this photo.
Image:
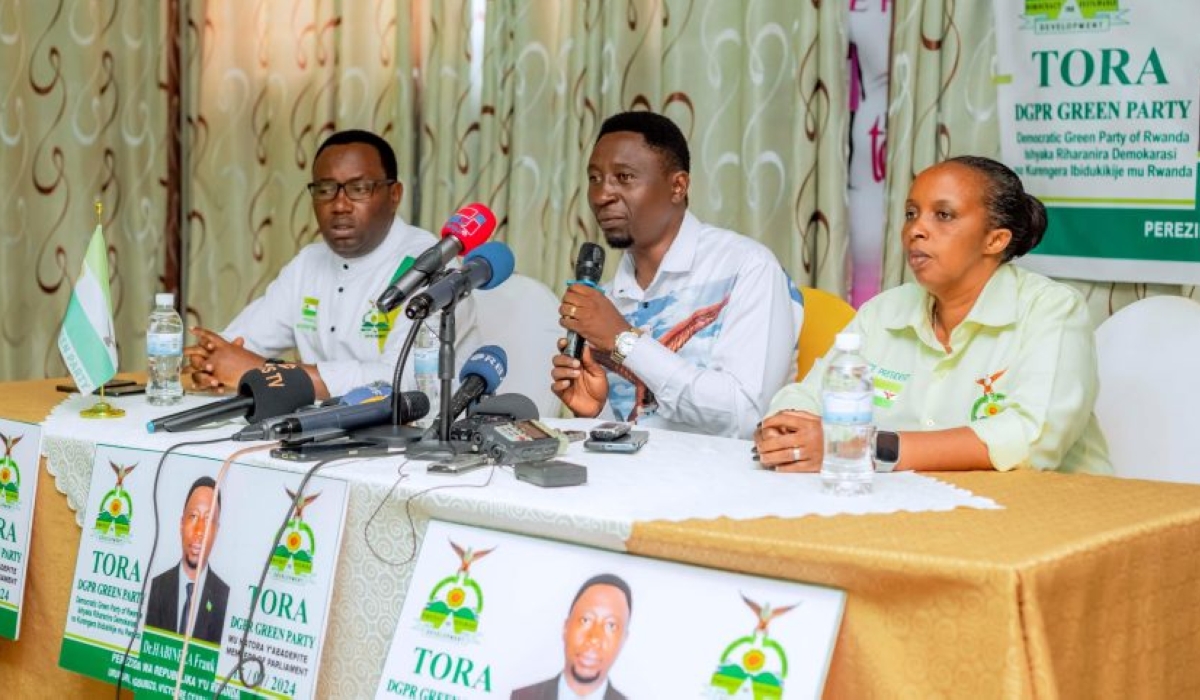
(322, 304)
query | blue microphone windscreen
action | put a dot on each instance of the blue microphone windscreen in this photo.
(489, 362)
(499, 257)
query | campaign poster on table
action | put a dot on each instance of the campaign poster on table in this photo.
(495, 615)
(18, 491)
(1098, 115)
(212, 547)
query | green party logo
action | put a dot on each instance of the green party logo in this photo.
(299, 543)
(457, 597)
(1072, 16)
(888, 384)
(755, 659)
(10, 473)
(116, 508)
(992, 401)
(377, 324)
(308, 314)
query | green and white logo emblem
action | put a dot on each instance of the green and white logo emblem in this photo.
(755, 659)
(457, 597)
(10, 473)
(116, 508)
(308, 314)
(992, 402)
(1072, 16)
(299, 543)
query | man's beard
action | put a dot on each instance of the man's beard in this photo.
(618, 240)
(582, 680)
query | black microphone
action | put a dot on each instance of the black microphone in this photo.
(486, 267)
(588, 268)
(463, 232)
(413, 406)
(263, 392)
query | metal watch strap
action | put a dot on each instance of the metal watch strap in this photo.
(617, 356)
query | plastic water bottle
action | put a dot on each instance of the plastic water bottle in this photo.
(425, 369)
(846, 397)
(164, 352)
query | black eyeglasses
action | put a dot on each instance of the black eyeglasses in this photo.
(356, 190)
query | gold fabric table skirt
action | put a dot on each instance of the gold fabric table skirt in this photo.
(1082, 587)
(29, 666)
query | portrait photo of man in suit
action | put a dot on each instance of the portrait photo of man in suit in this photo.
(593, 634)
(172, 592)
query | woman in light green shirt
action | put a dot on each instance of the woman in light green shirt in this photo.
(980, 364)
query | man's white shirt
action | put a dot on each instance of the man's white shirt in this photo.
(323, 306)
(741, 315)
(565, 692)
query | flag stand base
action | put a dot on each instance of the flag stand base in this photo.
(102, 409)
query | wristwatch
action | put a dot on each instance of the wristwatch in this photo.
(623, 345)
(887, 450)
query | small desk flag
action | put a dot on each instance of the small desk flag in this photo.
(87, 341)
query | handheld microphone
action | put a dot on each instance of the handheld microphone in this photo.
(589, 266)
(480, 375)
(487, 267)
(466, 229)
(377, 411)
(263, 392)
(264, 429)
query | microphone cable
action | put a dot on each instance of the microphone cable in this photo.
(405, 350)
(244, 660)
(191, 612)
(153, 549)
(408, 501)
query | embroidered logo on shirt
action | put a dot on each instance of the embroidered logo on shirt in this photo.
(888, 385)
(992, 401)
(376, 324)
(308, 314)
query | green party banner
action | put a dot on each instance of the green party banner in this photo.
(19, 464)
(182, 614)
(494, 615)
(1098, 115)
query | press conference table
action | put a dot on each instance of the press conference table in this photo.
(1080, 586)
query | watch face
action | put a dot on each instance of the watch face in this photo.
(625, 342)
(887, 446)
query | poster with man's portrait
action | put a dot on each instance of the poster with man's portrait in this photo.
(185, 600)
(495, 615)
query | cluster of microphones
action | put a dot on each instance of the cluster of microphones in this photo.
(277, 399)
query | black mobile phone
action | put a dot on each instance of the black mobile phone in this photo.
(609, 431)
(125, 390)
(626, 444)
(316, 451)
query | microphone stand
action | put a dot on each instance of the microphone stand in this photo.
(441, 446)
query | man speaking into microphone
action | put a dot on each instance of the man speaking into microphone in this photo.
(323, 303)
(698, 329)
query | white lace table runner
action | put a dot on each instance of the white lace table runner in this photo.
(676, 476)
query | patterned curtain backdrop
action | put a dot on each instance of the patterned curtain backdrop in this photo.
(266, 82)
(81, 120)
(759, 88)
(943, 104)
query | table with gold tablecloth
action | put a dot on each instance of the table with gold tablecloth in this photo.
(1080, 587)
